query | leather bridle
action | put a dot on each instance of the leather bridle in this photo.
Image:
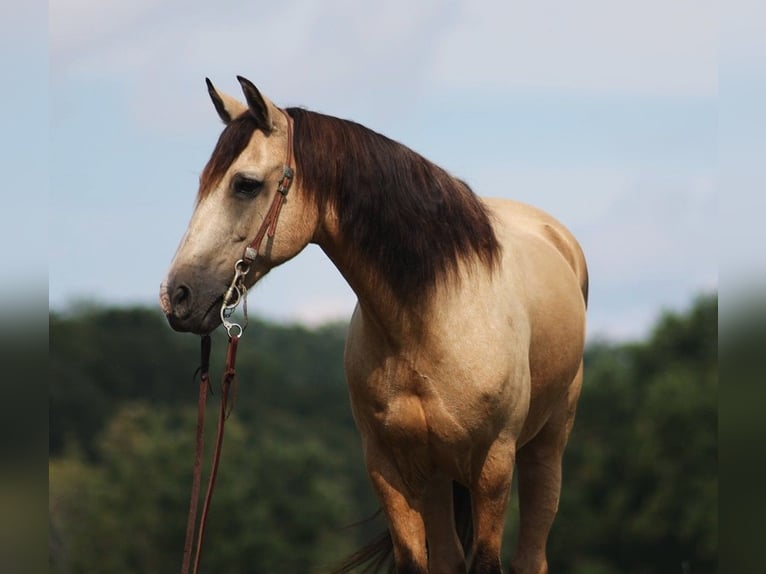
(236, 293)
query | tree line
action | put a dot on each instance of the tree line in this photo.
(640, 473)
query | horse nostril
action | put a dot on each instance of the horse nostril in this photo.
(182, 301)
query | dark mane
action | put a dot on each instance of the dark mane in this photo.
(232, 142)
(404, 215)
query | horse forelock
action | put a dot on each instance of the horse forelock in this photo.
(405, 216)
(232, 142)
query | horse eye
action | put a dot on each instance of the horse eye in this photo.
(246, 186)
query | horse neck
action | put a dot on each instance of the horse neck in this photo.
(400, 323)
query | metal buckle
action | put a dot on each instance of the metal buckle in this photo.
(235, 294)
(250, 254)
(286, 181)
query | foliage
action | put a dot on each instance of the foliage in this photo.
(640, 472)
(640, 479)
(742, 428)
(280, 505)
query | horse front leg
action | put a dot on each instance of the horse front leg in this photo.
(401, 496)
(489, 499)
(445, 549)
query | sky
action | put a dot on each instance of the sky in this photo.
(604, 113)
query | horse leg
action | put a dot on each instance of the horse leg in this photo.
(489, 499)
(402, 503)
(445, 551)
(539, 468)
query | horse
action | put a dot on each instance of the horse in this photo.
(464, 353)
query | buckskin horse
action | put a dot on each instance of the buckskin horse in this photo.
(464, 352)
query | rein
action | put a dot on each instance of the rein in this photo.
(235, 294)
(229, 378)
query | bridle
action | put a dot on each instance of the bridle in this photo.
(237, 291)
(234, 295)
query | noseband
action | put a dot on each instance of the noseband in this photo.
(237, 291)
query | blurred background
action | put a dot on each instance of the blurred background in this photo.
(640, 490)
(623, 120)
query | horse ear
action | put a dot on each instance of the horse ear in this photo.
(227, 107)
(258, 105)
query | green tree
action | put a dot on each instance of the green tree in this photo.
(281, 502)
(640, 472)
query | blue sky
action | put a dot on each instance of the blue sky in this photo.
(23, 153)
(604, 113)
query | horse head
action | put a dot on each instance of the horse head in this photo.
(242, 200)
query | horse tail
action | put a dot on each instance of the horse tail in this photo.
(461, 502)
(379, 552)
(373, 556)
(584, 287)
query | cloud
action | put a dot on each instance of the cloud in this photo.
(742, 31)
(22, 30)
(355, 60)
(653, 247)
(658, 230)
(646, 48)
(742, 144)
(80, 29)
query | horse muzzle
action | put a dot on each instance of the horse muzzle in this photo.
(188, 309)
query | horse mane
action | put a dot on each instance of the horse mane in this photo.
(232, 142)
(405, 216)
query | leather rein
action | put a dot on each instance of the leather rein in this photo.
(235, 294)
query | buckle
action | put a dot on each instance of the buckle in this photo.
(286, 181)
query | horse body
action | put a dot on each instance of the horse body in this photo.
(464, 353)
(492, 335)
(495, 360)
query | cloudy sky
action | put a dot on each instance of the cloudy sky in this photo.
(603, 112)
